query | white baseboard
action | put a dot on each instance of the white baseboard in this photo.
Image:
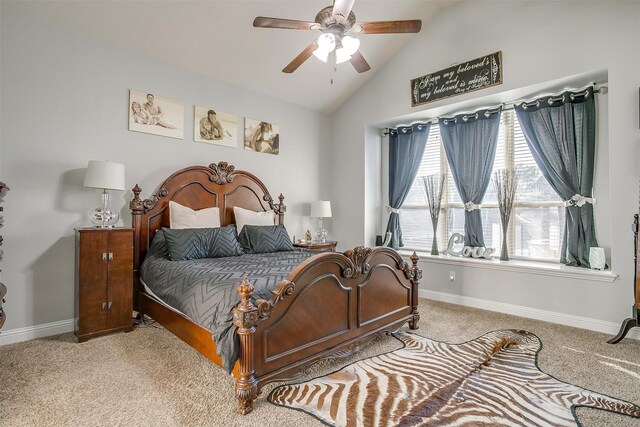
(609, 328)
(39, 331)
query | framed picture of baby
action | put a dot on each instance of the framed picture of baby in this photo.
(212, 126)
(261, 136)
(150, 113)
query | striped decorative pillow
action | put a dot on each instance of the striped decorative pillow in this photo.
(260, 239)
(198, 243)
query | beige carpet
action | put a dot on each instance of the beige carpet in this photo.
(150, 378)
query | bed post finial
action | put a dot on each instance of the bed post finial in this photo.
(415, 274)
(136, 205)
(245, 318)
(280, 209)
(414, 259)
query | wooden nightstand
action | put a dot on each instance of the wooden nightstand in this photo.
(328, 246)
(104, 281)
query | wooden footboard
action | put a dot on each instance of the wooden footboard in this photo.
(328, 303)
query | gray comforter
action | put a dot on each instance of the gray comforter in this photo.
(205, 289)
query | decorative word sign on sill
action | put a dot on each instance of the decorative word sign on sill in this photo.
(457, 240)
(466, 77)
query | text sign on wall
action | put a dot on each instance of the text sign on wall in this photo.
(465, 77)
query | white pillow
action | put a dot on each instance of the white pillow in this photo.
(184, 217)
(247, 217)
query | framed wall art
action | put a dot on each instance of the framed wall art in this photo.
(153, 114)
(215, 127)
(261, 136)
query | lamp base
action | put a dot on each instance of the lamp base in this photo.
(103, 219)
(321, 236)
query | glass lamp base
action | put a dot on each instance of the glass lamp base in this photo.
(103, 219)
(321, 235)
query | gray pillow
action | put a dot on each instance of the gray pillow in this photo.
(197, 243)
(158, 246)
(259, 239)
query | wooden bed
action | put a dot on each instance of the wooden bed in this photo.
(330, 303)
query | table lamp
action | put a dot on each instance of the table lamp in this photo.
(321, 209)
(106, 176)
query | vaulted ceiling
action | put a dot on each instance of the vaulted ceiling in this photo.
(216, 38)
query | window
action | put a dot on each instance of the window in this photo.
(537, 222)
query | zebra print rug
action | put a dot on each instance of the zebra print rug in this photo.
(491, 380)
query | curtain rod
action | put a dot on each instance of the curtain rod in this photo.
(506, 106)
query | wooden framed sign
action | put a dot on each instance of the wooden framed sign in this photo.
(478, 73)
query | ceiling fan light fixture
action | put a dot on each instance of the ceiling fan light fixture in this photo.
(342, 56)
(333, 45)
(322, 55)
(327, 41)
(326, 44)
(350, 45)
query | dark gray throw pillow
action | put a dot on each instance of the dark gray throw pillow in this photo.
(259, 239)
(159, 246)
(243, 239)
(197, 243)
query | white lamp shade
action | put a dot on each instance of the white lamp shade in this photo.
(321, 209)
(326, 44)
(105, 175)
(342, 56)
(321, 54)
(350, 45)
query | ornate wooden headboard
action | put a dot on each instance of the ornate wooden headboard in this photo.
(198, 187)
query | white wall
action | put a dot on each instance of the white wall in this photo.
(540, 42)
(65, 101)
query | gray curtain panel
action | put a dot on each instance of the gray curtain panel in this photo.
(470, 142)
(561, 134)
(406, 147)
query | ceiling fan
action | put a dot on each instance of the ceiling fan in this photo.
(334, 44)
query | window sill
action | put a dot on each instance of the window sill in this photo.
(519, 266)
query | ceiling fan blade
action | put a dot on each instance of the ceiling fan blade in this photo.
(301, 58)
(388, 27)
(359, 63)
(342, 8)
(285, 24)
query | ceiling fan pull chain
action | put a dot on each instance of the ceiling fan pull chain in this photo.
(334, 64)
